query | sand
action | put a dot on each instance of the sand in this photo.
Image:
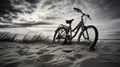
(41, 55)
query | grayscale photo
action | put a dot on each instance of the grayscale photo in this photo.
(59, 33)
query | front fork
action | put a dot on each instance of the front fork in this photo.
(85, 35)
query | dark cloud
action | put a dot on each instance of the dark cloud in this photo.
(47, 3)
(32, 23)
(109, 8)
(9, 11)
(113, 8)
(29, 24)
(51, 18)
(6, 7)
(33, 1)
(27, 6)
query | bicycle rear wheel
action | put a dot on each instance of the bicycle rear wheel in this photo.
(88, 36)
(60, 35)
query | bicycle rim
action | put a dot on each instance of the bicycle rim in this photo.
(60, 36)
(88, 37)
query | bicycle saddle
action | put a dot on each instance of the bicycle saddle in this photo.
(69, 21)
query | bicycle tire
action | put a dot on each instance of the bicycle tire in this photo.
(92, 46)
(55, 35)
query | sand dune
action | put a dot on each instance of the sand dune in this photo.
(42, 55)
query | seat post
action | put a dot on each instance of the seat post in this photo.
(70, 32)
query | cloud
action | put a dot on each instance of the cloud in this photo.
(33, 1)
(107, 8)
(9, 9)
(103, 8)
(105, 14)
(51, 18)
(21, 25)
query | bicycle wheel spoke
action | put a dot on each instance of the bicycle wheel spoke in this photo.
(63, 33)
(89, 36)
(60, 35)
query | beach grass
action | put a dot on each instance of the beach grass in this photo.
(24, 38)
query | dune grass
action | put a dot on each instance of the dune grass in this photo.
(24, 38)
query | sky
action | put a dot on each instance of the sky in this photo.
(104, 13)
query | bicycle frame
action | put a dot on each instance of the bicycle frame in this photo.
(77, 28)
(64, 33)
(81, 25)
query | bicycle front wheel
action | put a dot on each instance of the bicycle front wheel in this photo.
(88, 36)
(60, 35)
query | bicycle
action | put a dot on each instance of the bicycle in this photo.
(64, 34)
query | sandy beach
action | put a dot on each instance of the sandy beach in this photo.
(14, 54)
(27, 28)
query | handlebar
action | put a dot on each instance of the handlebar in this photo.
(78, 10)
(83, 14)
